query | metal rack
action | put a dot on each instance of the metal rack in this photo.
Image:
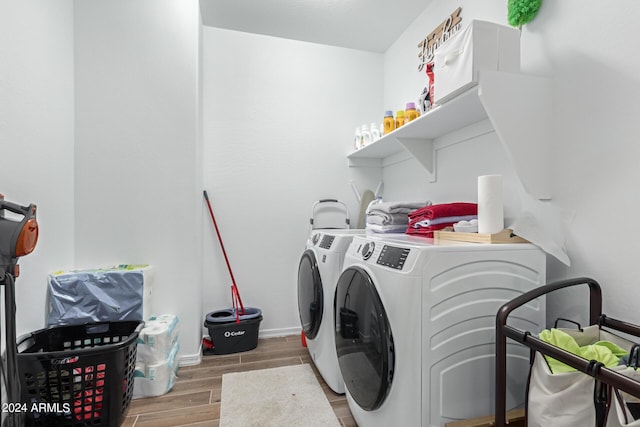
(589, 367)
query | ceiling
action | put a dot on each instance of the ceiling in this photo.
(371, 25)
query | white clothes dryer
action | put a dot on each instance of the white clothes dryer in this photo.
(318, 271)
(415, 327)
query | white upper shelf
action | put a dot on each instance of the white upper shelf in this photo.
(461, 111)
(518, 107)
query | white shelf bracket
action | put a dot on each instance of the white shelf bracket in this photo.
(423, 151)
(519, 108)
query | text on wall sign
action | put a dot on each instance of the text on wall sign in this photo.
(441, 34)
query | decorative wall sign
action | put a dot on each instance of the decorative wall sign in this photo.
(441, 34)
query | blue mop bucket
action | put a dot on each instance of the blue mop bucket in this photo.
(228, 335)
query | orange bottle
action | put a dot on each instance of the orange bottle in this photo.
(410, 113)
(399, 118)
(388, 122)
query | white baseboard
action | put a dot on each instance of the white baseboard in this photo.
(282, 332)
(191, 359)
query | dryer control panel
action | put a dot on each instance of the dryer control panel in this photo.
(393, 257)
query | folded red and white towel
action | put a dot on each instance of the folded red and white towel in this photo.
(443, 210)
(446, 219)
(425, 221)
(425, 231)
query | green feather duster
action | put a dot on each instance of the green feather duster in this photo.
(521, 12)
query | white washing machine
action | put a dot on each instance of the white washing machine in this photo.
(415, 327)
(318, 271)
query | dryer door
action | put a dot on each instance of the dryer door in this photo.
(310, 295)
(364, 342)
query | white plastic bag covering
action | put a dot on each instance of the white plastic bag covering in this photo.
(543, 223)
(566, 399)
(83, 296)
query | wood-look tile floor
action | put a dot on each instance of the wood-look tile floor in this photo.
(194, 400)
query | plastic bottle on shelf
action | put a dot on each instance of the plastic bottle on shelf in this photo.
(357, 139)
(366, 135)
(375, 132)
(399, 118)
(410, 112)
(388, 122)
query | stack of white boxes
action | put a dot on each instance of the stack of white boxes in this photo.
(157, 361)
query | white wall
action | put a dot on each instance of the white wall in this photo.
(278, 121)
(36, 139)
(596, 82)
(586, 47)
(137, 164)
(279, 118)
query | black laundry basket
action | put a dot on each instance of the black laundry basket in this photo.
(78, 375)
(603, 376)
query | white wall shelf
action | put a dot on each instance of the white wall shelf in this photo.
(517, 106)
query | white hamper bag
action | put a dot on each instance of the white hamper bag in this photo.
(566, 399)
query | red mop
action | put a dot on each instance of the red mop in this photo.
(235, 295)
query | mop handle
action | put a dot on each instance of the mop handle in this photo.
(224, 252)
(236, 300)
(235, 295)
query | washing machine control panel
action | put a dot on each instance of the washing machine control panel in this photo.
(393, 257)
(327, 241)
(367, 250)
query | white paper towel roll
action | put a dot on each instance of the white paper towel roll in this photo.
(490, 210)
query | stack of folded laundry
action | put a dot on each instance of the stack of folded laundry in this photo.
(391, 217)
(426, 220)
